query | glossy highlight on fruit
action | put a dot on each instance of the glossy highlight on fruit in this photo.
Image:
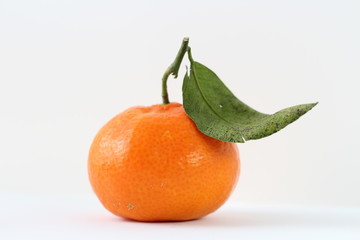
(153, 164)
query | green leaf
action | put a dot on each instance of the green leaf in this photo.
(219, 114)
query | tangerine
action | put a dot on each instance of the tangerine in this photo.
(153, 164)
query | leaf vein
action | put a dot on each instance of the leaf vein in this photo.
(203, 96)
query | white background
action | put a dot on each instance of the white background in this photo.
(67, 67)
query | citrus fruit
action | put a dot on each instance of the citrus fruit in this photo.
(153, 164)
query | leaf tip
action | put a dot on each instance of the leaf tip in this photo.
(311, 105)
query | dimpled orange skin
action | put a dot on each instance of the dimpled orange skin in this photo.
(153, 164)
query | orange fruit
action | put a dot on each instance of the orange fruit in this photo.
(153, 164)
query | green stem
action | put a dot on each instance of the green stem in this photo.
(173, 69)
(190, 55)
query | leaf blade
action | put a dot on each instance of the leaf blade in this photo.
(219, 114)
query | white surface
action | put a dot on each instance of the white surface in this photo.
(67, 67)
(45, 217)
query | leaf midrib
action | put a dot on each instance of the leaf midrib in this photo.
(203, 96)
